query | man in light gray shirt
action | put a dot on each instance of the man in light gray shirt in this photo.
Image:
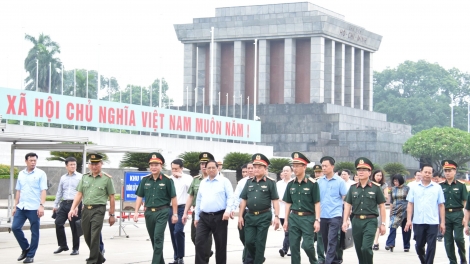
(66, 192)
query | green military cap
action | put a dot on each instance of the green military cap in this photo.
(449, 164)
(156, 157)
(260, 159)
(299, 158)
(364, 163)
(330, 159)
(317, 168)
(205, 157)
(95, 158)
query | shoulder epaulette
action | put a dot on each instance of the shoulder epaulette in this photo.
(105, 174)
(462, 182)
(270, 178)
(312, 179)
(197, 176)
(441, 182)
(166, 176)
(378, 184)
(147, 176)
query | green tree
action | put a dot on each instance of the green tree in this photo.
(419, 94)
(235, 160)
(62, 155)
(141, 94)
(393, 168)
(40, 56)
(433, 145)
(277, 164)
(135, 160)
(345, 165)
(191, 161)
(5, 172)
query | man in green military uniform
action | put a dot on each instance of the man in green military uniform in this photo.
(158, 190)
(318, 172)
(455, 193)
(364, 197)
(258, 194)
(204, 157)
(95, 188)
(302, 198)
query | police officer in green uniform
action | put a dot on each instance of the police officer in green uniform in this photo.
(204, 157)
(364, 197)
(258, 194)
(302, 198)
(318, 172)
(95, 188)
(158, 190)
(455, 193)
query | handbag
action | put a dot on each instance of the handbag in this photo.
(78, 225)
(346, 239)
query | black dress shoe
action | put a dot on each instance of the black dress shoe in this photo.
(23, 254)
(74, 252)
(60, 249)
(28, 260)
(281, 252)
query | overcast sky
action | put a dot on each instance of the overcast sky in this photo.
(135, 41)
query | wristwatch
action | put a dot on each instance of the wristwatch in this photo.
(276, 216)
(175, 215)
(41, 205)
(318, 220)
(383, 223)
(111, 214)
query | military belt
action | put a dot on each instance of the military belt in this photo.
(154, 209)
(365, 216)
(453, 210)
(301, 213)
(91, 206)
(260, 212)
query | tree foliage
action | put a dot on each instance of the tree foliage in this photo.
(235, 161)
(435, 144)
(141, 94)
(419, 94)
(277, 164)
(62, 155)
(135, 160)
(5, 172)
(393, 168)
(191, 161)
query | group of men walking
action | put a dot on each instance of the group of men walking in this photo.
(308, 209)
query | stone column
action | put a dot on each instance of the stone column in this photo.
(329, 71)
(189, 73)
(264, 71)
(239, 68)
(216, 73)
(358, 78)
(349, 76)
(201, 71)
(289, 71)
(317, 69)
(368, 81)
(339, 73)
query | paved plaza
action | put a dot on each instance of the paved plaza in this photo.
(137, 248)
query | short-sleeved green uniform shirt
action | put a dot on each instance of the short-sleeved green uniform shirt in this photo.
(259, 194)
(454, 193)
(303, 196)
(364, 201)
(194, 187)
(157, 192)
(96, 190)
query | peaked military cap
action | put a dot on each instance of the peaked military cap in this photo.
(260, 159)
(94, 158)
(156, 157)
(205, 157)
(364, 163)
(449, 164)
(330, 159)
(317, 168)
(299, 158)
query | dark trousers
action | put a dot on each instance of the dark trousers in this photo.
(211, 223)
(177, 233)
(208, 243)
(425, 234)
(92, 223)
(18, 221)
(285, 243)
(393, 234)
(61, 218)
(329, 228)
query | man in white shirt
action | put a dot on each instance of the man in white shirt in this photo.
(182, 182)
(346, 176)
(417, 180)
(286, 176)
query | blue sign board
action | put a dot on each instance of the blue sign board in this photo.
(131, 182)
